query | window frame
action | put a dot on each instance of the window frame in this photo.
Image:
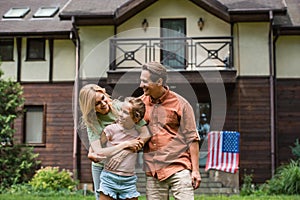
(41, 50)
(43, 142)
(8, 47)
(22, 12)
(39, 12)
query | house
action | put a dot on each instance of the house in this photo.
(234, 60)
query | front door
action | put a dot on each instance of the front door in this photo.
(173, 51)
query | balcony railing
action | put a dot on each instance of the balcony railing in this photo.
(184, 53)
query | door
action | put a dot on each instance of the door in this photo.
(173, 51)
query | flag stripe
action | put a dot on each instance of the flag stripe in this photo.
(223, 151)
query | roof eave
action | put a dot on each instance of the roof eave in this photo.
(287, 30)
(214, 7)
(131, 8)
(86, 19)
(47, 34)
(253, 15)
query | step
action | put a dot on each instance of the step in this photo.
(207, 191)
(210, 185)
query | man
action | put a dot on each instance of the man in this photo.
(171, 155)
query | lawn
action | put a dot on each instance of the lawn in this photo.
(78, 197)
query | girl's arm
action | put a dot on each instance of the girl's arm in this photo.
(144, 137)
(144, 133)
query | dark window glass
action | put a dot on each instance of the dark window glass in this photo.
(173, 52)
(35, 49)
(6, 49)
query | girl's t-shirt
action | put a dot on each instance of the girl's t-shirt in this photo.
(105, 120)
(117, 134)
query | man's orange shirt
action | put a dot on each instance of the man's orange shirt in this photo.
(172, 124)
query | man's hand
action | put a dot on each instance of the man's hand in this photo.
(196, 179)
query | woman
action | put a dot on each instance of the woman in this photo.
(98, 111)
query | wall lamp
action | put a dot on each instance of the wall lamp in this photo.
(145, 24)
(200, 23)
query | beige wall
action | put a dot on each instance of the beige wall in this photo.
(165, 9)
(95, 50)
(251, 49)
(64, 60)
(34, 70)
(288, 57)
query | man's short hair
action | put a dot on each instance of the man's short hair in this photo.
(157, 71)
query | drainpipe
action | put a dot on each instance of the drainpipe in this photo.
(271, 79)
(277, 34)
(76, 41)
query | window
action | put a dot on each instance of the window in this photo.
(16, 13)
(36, 49)
(203, 125)
(34, 125)
(46, 12)
(173, 52)
(6, 49)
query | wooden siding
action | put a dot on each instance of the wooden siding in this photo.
(248, 111)
(59, 126)
(288, 117)
(252, 96)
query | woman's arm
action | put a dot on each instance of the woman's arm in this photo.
(95, 157)
(110, 151)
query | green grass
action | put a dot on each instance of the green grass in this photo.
(201, 197)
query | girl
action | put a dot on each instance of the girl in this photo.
(119, 182)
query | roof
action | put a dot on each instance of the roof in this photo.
(103, 11)
(114, 12)
(253, 5)
(29, 25)
(92, 7)
(118, 11)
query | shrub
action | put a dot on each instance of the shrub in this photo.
(247, 186)
(286, 180)
(296, 149)
(17, 164)
(52, 179)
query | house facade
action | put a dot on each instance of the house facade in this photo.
(236, 61)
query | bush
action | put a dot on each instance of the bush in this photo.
(286, 180)
(247, 186)
(51, 179)
(296, 149)
(17, 164)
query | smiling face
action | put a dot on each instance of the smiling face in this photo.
(149, 87)
(101, 103)
(125, 117)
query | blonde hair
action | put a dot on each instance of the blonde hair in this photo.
(138, 108)
(87, 99)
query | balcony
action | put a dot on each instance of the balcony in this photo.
(191, 57)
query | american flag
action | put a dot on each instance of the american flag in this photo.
(223, 151)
